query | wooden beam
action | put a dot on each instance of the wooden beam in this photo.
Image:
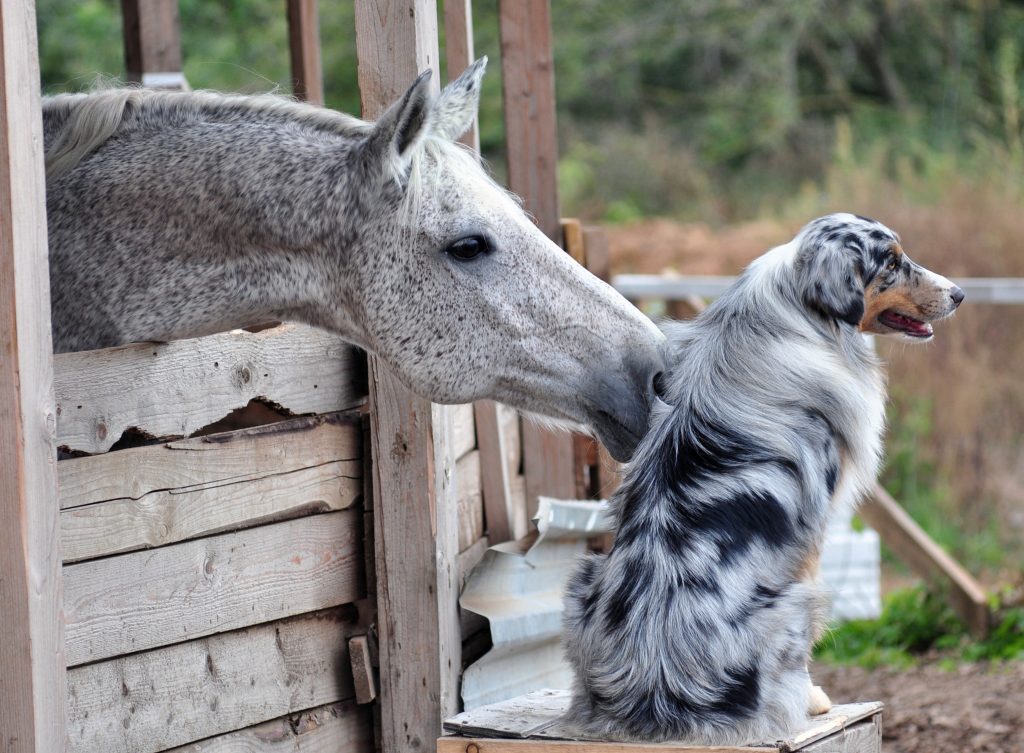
(304, 46)
(152, 43)
(528, 84)
(414, 507)
(32, 650)
(911, 544)
(458, 41)
(494, 473)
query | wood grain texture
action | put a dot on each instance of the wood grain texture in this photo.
(304, 49)
(458, 43)
(414, 510)
(494, 472)
(152, 37)
(911, 544)
(495, 745)
(174, 389)
(469, 499)
(31, 652)
(463, 429)
(141, 600)
(157, 495)
(172, 696)
(332, 728)
(528, 85)
(362, 669)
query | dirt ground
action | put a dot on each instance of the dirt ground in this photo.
(971, 709)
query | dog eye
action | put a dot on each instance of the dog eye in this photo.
(468, 248)
(892, 264)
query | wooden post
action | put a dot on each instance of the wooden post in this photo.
(415, 510)
(304, 45)
(532, 148)
(926, 558)
(458, 39)
(32, 671)
(152, 43)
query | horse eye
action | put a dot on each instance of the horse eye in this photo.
(468, 248)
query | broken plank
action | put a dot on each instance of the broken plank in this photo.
(174, 389)
(362, 669)
(137, 601)
(153, 700)
(167, 493)
(470, 501)
(463, 429)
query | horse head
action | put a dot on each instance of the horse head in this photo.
(465, 298)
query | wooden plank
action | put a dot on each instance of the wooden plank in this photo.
(572, 240)
(470, 500)
(494, 472)
(142, 600)
(152, 43)
(825, 725)
(463, 429)
(362, 669)
(528, 86)
(152, 496)
(174, 389)
(172, 696)
(414, 511)
(597, 251)
(325, 729)
(910, 543)
(458, 42)
(497, 745)
(863, 737)
(31, 652)
(304, 47)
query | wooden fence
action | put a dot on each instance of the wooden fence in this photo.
(245, 530)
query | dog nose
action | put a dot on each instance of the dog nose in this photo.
(957, 295)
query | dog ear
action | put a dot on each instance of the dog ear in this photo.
(830, 278)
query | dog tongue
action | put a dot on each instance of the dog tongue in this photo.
(906, 324)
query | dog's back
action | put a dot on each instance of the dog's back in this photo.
(697, 626)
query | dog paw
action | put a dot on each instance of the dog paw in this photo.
(818, 701)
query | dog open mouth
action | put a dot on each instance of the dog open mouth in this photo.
(908, 325)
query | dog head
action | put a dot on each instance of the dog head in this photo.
(853, 269)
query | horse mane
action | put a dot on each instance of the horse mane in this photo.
(81, 123)
(88, 120)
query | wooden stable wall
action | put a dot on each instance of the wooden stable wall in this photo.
(210, 583)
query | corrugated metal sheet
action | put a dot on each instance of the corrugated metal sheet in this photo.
(519, 590)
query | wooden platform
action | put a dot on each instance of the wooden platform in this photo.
(532, 724)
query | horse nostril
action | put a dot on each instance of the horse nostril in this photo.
(957, 295)
(658, 384)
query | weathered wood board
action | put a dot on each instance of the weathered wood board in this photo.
(142, 600)
(470, 500)
(174, 389)
(532, 723)
(161, 494)
(153, 700)
(335, 728)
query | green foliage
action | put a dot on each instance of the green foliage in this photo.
(915, 622)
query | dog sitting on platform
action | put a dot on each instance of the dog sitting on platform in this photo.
(698, 625)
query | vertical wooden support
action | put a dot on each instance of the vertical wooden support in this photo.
(415, 511)
(458, 39)
(532, 147)
(32, 671)
(152, 43)
(304, 45)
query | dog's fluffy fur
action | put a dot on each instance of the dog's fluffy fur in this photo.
(698, 625)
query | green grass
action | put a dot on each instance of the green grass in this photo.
(917, 622)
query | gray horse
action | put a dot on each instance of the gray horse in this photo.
(176, 215)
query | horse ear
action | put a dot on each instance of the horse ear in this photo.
(399, 129)
(830, 277)
(459, 102)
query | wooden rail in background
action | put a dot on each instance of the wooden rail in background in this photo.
(32, 673)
